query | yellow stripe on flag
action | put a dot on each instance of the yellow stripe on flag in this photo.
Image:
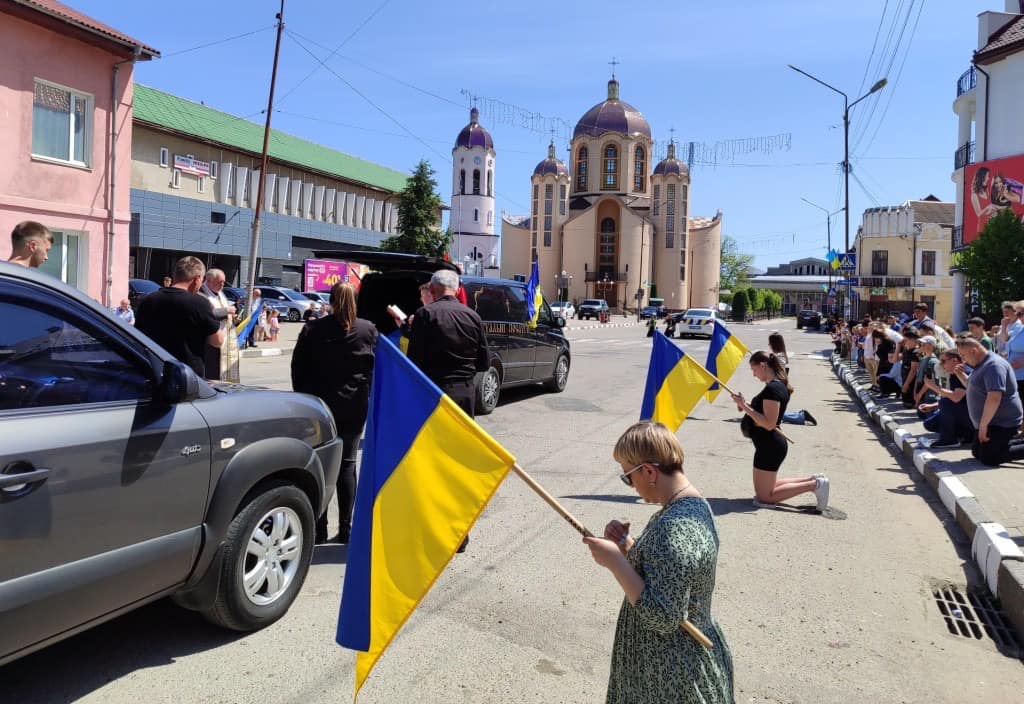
(681, 390)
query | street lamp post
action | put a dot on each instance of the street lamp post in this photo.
(828, 230)
(846, 146)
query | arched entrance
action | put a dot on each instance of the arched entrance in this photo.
(607, 255)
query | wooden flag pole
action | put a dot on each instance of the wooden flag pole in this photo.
(723, 385)
(582, 529)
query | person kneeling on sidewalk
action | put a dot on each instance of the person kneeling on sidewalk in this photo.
(993, 403)
(949, 418)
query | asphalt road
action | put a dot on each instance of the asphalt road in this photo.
(834, 608)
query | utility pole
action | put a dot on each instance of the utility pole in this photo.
(254, 245)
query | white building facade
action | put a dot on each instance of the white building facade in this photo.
(474, 242)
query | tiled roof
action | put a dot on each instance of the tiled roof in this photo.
(931, 211)
(75, 18)
(163, 110)
(1007, 40)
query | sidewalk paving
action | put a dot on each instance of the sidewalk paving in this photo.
(986, 502)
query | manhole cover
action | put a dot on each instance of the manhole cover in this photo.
(571, 404)
(975, 615)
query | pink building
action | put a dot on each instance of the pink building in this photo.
(66, 163)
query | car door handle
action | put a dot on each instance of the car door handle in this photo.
(15, 482)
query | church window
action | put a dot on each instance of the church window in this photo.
(462, 181)
(490, 183)
(684, 201)
(581, 169)
(561, 199)
(549, 191)
(476, 215)
(608, 225)
(682, 240)
(640, 170)
(476, 182)
(656, 206)
(670, 215)
(682, 265)
(610, 177)
(490, 218)
(607, 245)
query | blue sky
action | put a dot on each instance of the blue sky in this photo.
(712, 71)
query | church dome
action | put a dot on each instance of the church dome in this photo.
(671, 165)
(551, 165)
(612, 115)
(473, 135)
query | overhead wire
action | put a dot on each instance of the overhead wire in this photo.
(874, 45)
(878, 71)
(216, 42)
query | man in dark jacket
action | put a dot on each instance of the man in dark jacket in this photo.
(448, 343)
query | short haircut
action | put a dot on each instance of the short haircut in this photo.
(29, 230)
(969, 342)
(951, 354)
(188, 268)
(650, 441)
(446, 279)
(912, 333)
(977, 321)
(921, 306)
(215, 274)
(1009, 304)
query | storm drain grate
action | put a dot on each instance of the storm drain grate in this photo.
(975, 615)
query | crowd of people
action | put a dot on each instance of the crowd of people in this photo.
(966, 386)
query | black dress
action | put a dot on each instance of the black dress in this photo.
(769, 446)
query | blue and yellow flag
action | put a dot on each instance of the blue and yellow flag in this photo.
(246, 326)
(675, 383)
(427, 472)
(724, 356)
(534, 296)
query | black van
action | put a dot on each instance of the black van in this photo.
(520, 355)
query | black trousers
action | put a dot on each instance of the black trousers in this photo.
(1001, 446)
(346, 486)
(464, 395)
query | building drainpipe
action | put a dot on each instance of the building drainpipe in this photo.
(112, 221)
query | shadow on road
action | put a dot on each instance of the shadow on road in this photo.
(153, 636)
(330, 554)
(614, 498)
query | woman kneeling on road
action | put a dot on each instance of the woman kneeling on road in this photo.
(760, 423)
(668, 576)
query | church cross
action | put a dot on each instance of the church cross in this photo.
(613, 63)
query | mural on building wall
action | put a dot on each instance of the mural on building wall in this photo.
(989, 187)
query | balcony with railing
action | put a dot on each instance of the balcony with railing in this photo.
(885, 281)
(610, 276)
(957, 240)
(964, 156)
(968, 80)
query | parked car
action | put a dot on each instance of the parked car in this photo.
(519, 354)
(592, 308)
(235, 296)
(137, 288)
(318, 296)
(158, 483)
(296, 306)
(563, 309)
(808, 319)
(695, 321)
(652, 312)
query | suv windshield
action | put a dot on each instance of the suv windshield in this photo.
(592, 302)
(293, 295)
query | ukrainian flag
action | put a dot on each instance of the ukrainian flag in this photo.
(427, 472)
(724, 356)
(534, 296)
(245, 328)
(675, 383)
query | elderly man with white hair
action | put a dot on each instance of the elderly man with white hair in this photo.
(448, 343)
(213, 290)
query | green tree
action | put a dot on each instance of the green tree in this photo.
(755, 296)
(419, 206)
(740, 303)
(995, 261)
(734, 267)
(772, 301)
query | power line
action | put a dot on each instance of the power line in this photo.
(878, 33)
(344, 41)
(218, 41)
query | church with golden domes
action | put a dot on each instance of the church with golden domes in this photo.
(611, 225)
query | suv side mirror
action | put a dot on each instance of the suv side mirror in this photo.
(560, 321)
(178, 383)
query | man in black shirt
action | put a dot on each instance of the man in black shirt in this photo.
(448, 343)
(179, 320)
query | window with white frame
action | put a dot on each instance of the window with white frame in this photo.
(201, 185)
(214, 168)
(165, 157)
(61, 123)
(175, 178)
(64, 260)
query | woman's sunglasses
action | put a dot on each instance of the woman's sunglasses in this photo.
(628, 480)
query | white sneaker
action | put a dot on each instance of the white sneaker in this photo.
(821, 491)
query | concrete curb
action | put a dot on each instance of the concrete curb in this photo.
(997, 557)
(265, 352)
(599, 326)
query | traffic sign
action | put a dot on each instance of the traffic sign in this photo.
(847, 262)
(831, 293)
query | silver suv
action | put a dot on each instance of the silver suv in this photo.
(295, 305)
(124, 478)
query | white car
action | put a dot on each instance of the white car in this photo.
(696, 321)
(563, 309)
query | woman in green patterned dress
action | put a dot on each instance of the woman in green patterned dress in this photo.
(668, 576)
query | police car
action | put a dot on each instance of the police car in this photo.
(696, 321)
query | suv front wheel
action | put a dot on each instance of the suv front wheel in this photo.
(488, 391)
(265, 557)
(560, 376)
